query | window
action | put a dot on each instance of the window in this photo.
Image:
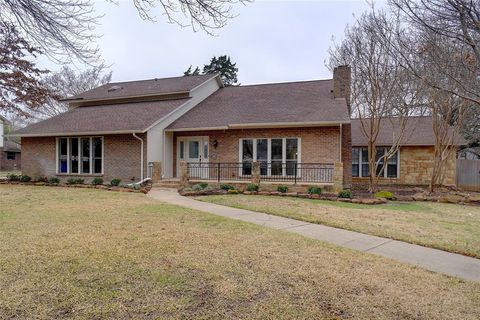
(360, 166)
(247, 157)
(182, 150)
(281, 153)
(355, 162)
(80, 155)
(10, 155)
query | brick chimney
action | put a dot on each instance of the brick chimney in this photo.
(341, 83)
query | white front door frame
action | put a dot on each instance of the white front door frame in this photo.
(186, 142)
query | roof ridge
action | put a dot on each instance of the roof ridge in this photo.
(167, 78)
(276, 83)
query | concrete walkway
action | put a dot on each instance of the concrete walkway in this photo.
(427, 258)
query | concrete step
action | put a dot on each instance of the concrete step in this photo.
(167, 184)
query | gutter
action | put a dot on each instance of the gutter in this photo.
(141, 155)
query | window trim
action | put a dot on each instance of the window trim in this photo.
(80, 150)
(269, 151)
(360, 163)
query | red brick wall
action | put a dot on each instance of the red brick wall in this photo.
(318, 144)
(121, 158)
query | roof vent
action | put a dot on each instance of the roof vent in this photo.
(114, 88)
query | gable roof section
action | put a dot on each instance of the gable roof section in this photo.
(418, 132)
(115, 118)
(143, 88)
(295, 103)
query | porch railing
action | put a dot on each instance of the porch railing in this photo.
(264, 171)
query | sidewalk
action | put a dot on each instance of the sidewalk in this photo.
(431, 259)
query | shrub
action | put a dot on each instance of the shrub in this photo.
(197, 187)
(282, 189)
(314, 190)
(384, 194)
(203, 185)
(25, 178)
(345, 193)
(75, 181)
(40, 179)
(97, 181)
(53, 180)
(13, 177)
(232, 191)
(115, 182)
(252, 187)
(226, 187)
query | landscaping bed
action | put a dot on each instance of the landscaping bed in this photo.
(443, 195)
(97, 183)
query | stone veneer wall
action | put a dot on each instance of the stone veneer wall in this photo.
(416, 164)
(318, 144)
(121, 158)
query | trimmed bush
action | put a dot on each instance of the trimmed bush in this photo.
(13, 177)
(252, 187)
(25, 178)
(226, 187)
(384, 194)
(314, 190)
(198, 187)
(345, 194)
(115, 182)
(282, 189)
(97, 181)
(53, 180)
(75, 181)
(232, 191)
(40, 179)
(204, 185)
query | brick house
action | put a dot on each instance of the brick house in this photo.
(132, 130)
(296, 132)
(10, 150)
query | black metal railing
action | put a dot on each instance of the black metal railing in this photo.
(268, 171)
(217, 171)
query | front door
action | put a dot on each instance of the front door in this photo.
(194, 150)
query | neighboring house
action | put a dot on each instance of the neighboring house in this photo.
(412, 164)
(130, 130)
(10, 151)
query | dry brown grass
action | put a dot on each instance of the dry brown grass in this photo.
(449, 227)
(86, 253)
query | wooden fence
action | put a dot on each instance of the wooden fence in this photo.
(468, 174)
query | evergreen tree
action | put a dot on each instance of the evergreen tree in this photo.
(222, 65)
(189, 71)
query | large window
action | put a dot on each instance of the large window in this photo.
(360, 163)
(281, 153)
(80, 155)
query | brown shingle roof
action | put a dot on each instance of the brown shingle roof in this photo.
(127, 117)
(11, 146)
(418, 132)
(294, 102)
(143, 87)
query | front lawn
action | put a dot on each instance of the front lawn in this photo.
(87, 253)
(449, 227)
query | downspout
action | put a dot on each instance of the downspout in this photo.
(141, 155)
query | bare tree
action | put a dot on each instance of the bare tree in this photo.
(455, 53)
(381, 89)
(206, 15)
(66, 83)
(64, 29)
(20, 87)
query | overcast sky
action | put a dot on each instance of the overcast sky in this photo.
(271, 41)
